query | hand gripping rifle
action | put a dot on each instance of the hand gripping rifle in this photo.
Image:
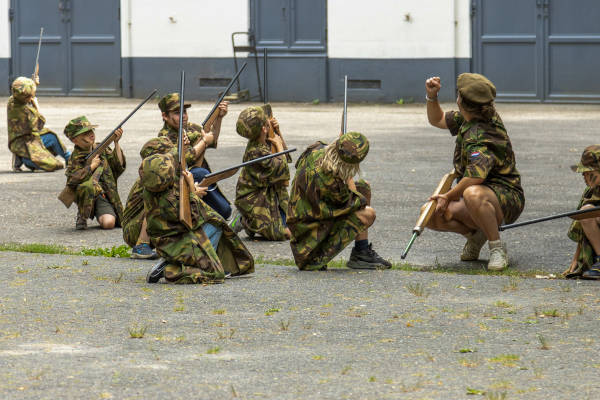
(269, 111)
(429, 208)
(185, 210)
(576, 215)
(67, 196)
(214, 177)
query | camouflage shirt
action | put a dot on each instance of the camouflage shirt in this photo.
(321, 212)
(261, 191)
(25, 125)
(102, 181)
(194, 133)
(483, 150)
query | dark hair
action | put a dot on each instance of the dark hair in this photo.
(482, 111)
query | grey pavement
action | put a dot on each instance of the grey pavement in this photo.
(407, 159)
(285, 334)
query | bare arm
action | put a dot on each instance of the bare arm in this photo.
(435, 114)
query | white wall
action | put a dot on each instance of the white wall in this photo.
(4, 29)
(181, 28)
(398, 29)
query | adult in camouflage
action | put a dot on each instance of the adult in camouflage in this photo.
(199, 142)
(489, 189)
(328, 209)
(204, 253)
(261, 194)
(28, 140)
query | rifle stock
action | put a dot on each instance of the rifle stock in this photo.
(429, 208)
(214, 177)
(185, 211)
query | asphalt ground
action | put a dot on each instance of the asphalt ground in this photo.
(66, 321)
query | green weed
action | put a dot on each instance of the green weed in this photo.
(137, 331)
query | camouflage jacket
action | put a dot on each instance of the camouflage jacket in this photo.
(194, 133)
(321, 212)
(25, 125)
(483, 150)
(191, 247)
(261, 191)
(591, 196)
(89, 184)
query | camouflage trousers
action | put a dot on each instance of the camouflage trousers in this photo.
(511, 201)
(132, 229)
(342, 232)
(586, 251)
(86, 196)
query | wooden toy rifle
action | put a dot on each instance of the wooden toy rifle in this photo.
(67, 196)
(185, 210)
(36, 69)
(429, 208)
(214, 177)
(576, 215)
(269, 112)
(344, 128)
(212, 116)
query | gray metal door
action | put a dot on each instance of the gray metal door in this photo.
(538, 50)
(80, 53)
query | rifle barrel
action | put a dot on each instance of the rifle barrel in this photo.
(250, 162)
(410, 243)
(265, 79)
(93, 153)
(181, 111)
(547, 218)
(224, 93)
(37, 57)
(345, 118)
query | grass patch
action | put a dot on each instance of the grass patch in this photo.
(508, 360)
(137, 331)
(115, 251)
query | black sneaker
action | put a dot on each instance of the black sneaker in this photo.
(80, 223)
(367, 259)
(156, 272)
(143, 251)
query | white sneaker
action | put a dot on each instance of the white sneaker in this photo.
(498, 258)
(235, 221)
(475, 242)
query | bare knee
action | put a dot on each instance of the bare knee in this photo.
(474, 195)
(366, 216)
(107, 221)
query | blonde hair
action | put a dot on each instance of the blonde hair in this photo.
(333, 164)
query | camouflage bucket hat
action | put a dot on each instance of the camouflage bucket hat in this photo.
(475, 88)
(77, 126)
(159, 145)
(590, 160)
(22, 88)
(158, 172)
(170, 102)
(352, 147)
(250, 122)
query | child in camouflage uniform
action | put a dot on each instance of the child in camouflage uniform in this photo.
(261, 194)
(208, 251)
(328, 209)
(586, 232)
(28, 140)
(134, 216)
(95, 182)
(489, 189)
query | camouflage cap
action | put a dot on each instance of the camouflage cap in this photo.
(250, 122)
(170, 102)
(158, 172)
(22, 88)
(476, 88)
(77, 126)
(352, 147)
(590, 160)
(158, 145)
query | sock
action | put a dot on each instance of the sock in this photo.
(360, 245)
(596, 259)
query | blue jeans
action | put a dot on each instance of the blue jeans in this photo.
(213, 197)
(213, 233)
(51, 143)
(282, 213)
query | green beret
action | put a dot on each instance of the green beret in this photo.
(250, 122)
(23, 88)
(590, 160)
(476, 88)
(170, 102)
(158, 145)
(158, 172)
(352, 147)
(77, 126)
